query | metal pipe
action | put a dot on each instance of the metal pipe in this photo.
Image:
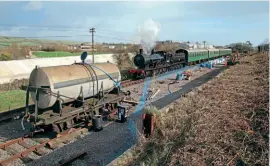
(36, 105)
(141, 51)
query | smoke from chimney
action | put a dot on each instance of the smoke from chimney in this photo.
(147, 35)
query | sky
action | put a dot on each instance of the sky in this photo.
(218, 23)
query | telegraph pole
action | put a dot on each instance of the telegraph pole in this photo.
(92, 30)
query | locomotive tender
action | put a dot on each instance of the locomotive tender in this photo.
(161, 61)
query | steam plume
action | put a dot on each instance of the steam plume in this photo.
(148, 34)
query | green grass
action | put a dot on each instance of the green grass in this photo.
(11, 100)
(7, 41)
(54, 54)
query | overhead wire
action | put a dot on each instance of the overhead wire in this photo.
(65, 29)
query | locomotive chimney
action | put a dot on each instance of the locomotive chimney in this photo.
(153, 51)
(141, 51)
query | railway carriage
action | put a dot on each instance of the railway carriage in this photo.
(197, 55)
(224, 52)
(213, 53)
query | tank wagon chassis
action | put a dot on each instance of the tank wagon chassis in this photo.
(97, 95)
(65, 116)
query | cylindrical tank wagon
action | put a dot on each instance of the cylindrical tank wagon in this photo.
(72, 81)
(63, 94)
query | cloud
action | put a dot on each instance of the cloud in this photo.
(33, 6)
(179, 20)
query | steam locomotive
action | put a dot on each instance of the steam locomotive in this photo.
(156, 62)
(161, 61)
(156, 59)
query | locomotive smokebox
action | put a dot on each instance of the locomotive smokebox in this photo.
(141, 51)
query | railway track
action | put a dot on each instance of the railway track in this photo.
(32, 148)
(26, 149)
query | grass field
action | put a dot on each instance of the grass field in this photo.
(7, 41)
(54, 54)
(11, 100)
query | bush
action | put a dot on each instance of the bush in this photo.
(5, 57)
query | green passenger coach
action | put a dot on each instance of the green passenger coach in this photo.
(200, 55)
(213, 53)
(197, 55)
(223, 52)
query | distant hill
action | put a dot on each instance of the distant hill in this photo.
(7, 41)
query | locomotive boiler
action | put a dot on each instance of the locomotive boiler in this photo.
(142, 60)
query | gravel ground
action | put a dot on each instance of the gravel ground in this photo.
(101, 147)
(11, 130)
(155, 85)
(104, 146)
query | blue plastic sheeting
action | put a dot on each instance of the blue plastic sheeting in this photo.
(209, 64)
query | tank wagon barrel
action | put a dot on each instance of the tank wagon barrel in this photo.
(73, 93)
(72, 80)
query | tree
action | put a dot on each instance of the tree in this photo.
(5, 56)
(241, 47)
(248, 42)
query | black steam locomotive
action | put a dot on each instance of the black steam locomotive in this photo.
(157, 59)
(157, 62)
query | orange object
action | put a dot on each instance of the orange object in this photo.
(250, 132)
(226, 63)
